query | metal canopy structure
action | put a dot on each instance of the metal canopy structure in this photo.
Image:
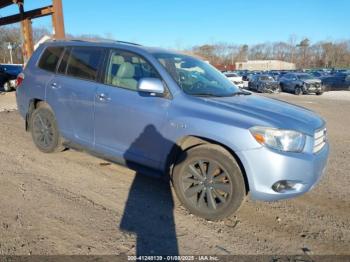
(25, 17)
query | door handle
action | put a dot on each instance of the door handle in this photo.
(103, 97)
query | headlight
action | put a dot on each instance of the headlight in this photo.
(279, 139)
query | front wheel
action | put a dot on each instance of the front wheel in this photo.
(44, 130)
(298, 91)
(209, 182)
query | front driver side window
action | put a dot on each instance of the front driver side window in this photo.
(125, 70)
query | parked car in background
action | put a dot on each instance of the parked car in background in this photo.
(264, 84)
(8, 76)
(235, 78)
(337, 81)
(301, 83)
(319, 74)
(153, 109)
(275, 74)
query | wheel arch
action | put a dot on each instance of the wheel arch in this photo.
(33, 104)
(190, 141)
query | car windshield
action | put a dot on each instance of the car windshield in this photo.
(196, 77)
(231, 75)
(305, 77)
(266, 78)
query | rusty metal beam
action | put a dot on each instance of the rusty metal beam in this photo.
(44, 11)
(57, 19)
(5, 3)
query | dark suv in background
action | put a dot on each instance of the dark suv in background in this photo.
(301, 83)
(337, 81)
(264, 83)
(8, 75)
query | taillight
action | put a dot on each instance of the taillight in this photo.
(19, 79)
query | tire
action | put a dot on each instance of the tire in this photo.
(225, 182)
(281, 87)
(45, 134)
(7, 87)
(258, 89)
(319, 93)
(298, 91)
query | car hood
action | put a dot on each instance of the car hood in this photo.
(269, 112)
(312, 81)
(269, 82)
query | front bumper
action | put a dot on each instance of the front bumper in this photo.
(240, 84)
(271, 89)
(313, 89)
(264, 167)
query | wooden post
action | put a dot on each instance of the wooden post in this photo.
(57, 19)
(27, 31)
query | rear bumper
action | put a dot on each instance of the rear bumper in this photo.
(265, 167)
(21, 104)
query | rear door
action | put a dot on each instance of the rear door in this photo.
(129, 124)
(71, 92)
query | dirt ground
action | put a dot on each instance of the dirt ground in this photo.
(73, 203)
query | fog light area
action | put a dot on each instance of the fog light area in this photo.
(285, 186)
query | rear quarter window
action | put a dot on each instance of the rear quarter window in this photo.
(49, 59)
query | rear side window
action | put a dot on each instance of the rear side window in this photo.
(84, 62)
(50, 57)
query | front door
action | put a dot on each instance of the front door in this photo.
(129, 124)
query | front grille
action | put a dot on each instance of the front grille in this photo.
(320, 139)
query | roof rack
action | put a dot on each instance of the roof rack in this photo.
(101, 40)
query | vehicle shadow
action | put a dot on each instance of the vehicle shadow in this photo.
(149, 208)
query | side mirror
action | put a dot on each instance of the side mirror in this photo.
(153, 86)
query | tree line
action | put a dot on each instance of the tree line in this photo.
(322, 54)
(12, 35)
(304, 53)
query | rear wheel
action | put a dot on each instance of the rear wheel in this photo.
(44, 130)
(209, 182)
(258, 88)
(281, 87)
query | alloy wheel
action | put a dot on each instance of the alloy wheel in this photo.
(43, 131)
(206, 185)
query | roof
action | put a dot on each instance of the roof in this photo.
(109, 44)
